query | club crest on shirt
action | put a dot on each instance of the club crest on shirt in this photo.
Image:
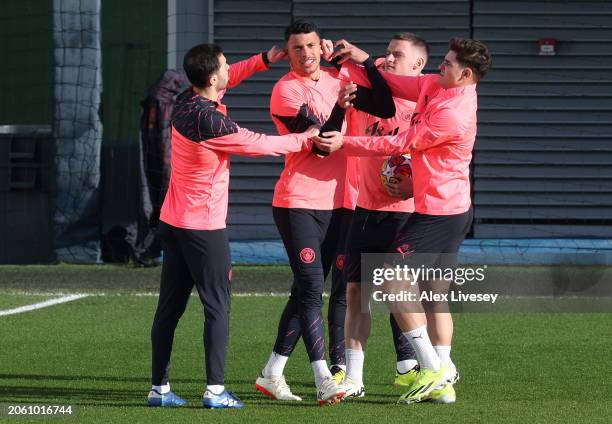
(307, 255)
(405, 116)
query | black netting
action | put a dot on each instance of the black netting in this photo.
(77, 129)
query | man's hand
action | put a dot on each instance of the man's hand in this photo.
(346, 95)
(312, 131)
(328, 141)
(349, 51)
(401, 187)
(327, 49)
(275, 54)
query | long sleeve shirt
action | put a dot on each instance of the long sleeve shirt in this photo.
(203, 137)
(440, 139)
(307, 181)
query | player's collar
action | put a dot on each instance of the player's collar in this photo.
(198, 97)
(455, 91)
(306, 80)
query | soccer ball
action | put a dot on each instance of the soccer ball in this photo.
(396, 165)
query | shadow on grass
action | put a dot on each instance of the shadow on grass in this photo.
(41, 377)
(122, 397)
(72, 396)
(114, 397)
(144, 380)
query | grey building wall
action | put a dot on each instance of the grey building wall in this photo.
(543, 162)
(189, 23)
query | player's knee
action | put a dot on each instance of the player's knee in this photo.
(311, 301)
(311, 296)
(353, 292)
(338, 296)
(338, 299)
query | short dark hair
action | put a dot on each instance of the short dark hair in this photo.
(201, 62)
(414, 39)
(301, 27)
(472, 54)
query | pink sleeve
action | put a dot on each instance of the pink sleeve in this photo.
(249, 143)
(244, 69)
(350, 71)
(442, 126)
(386, 145)
(285, 101)
(401, 86)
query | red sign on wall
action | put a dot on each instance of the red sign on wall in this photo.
(548, 46)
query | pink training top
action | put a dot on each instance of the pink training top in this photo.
(372, 193)
(440, 139)
(202, 140)
(307, 181)
(351, 182)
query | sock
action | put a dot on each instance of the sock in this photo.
(321, 372)
(403, 367)
(342, 367)
(215, 389)
(354, 364)
(444, 354)
(275, 366)
(162, 389)
(426, 354)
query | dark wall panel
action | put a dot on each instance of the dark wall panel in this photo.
(542, 166)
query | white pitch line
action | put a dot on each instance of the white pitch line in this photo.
(41, 305)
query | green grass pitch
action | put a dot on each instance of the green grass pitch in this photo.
(94, 354)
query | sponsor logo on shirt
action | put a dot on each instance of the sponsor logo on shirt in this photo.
(377, 129)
